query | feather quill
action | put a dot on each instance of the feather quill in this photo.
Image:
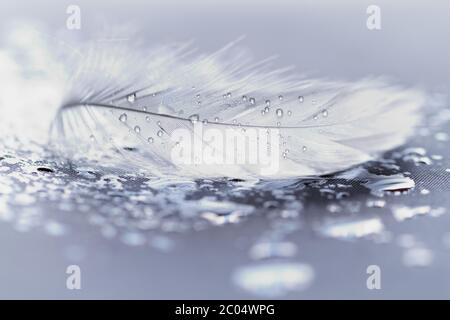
(124, 105)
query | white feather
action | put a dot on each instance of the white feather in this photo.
(339, 124)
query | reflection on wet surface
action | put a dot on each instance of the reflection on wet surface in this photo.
(37, 191)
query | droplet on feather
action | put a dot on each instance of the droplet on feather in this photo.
(279, 113)
(194, 118)
(131, 98)
(123, 117)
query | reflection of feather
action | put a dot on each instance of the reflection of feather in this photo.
(333, 126)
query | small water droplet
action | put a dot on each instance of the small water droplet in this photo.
(280, 97)
(131, 98)
(159, 133)
(266, 109)
(123, 117)
(244, 98)
(301, 99)
(216, 119)
(144, 108)
(137, 129)
(147, 118)
(267, 103)
(194, 118)
(252, 101)
(150, 140)
(289, 113)
(229, 95)
(279, 113)
(324, 113)
(304, 148)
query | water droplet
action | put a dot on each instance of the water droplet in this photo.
(244, 98)
(147, 118)
(197, 95)
(402, 213)
(418, 257)
(133, 239)
(137, 129)
(301, 99)
(380, 184)
(54, 228)
(229, 95)
(216, 119)
(441, 136)
(150, 140)
(375, 203)
(273, 279)
(289, 113)
(304, 148)
(279, 112)
(280, 97)
(159, 133)
(278, 124)
(267, 103)
(350, 229)
(144, 108)
(194, 118)
(324, 113)
(205, 121)
(266, 109)
(264, 250)
(252, 101)
(123, 117)
(131, 98)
